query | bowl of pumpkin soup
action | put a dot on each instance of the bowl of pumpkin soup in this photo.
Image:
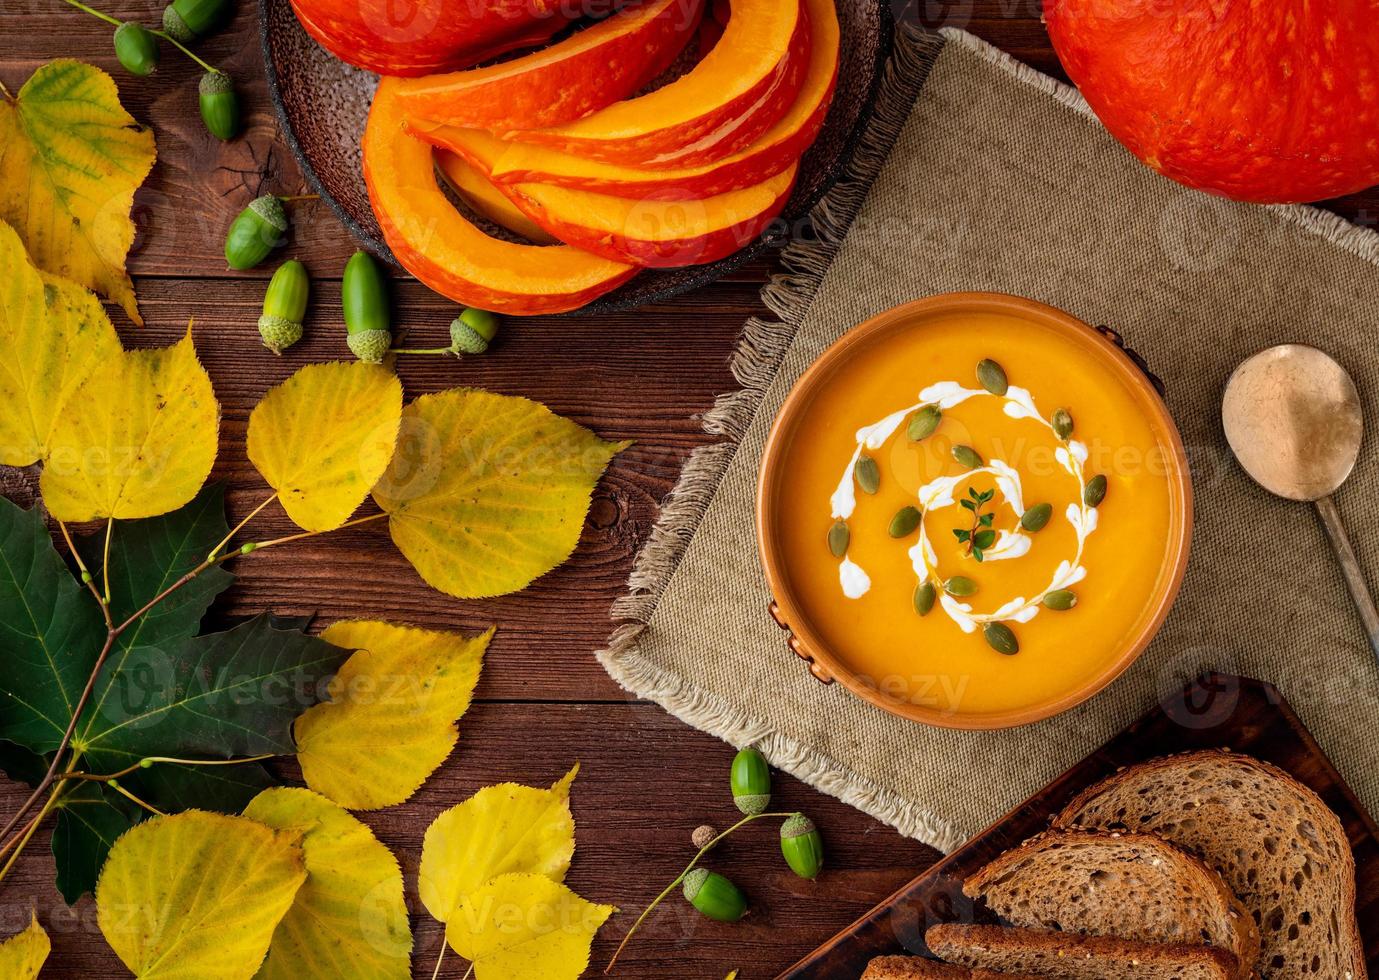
(974, 511)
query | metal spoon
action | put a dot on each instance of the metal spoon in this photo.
(1292, 417)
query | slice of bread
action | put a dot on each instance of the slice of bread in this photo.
(1069, 957)
(1273, 840)
(1134, 886)
(919, 968)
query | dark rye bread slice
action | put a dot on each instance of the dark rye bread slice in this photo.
(1274, 841)
(1134, 886)
(919, 968)
(1069, 957)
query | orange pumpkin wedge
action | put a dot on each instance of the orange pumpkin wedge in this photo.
(435, 243)
(775, 150)
(484, 197)
(568, 80)
(646, 232)
(734, 94)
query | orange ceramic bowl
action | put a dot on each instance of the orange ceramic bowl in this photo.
(1007, 655)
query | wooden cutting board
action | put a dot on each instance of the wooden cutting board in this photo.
(1216, 711)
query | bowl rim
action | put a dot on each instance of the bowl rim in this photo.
(826, 665)
(799, 208)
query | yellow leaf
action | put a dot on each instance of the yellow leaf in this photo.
(390, 720)
(324, 436)
(487, 492)
(137, 440)
(197, 895)
(349, 920)
(23, 955)
(499, 830)
(53, 334)
(70, 161)
(526, 927)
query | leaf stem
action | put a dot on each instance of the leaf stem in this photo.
(5, 92)
(241, 526)
(440, 959)
(260, 545)
(288, 198)
(468, 973)
(694, 862)
(86, 576)
(184, 49)
(91, 777)
(93, 12)
(114, 784)
(24, 838)
(105, 561)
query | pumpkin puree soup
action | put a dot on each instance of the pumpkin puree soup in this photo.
(975, 513)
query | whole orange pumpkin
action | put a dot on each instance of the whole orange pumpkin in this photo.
(1260, 101)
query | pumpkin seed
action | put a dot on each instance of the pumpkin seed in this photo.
(1036, 517)
(967, 456)
(1062, 423)
(1061, 600)
(1001, 638)
(904, 522)
(993, 377)
(868, 474)
(924, 422)
(960, 585)
(838, 537)
(924, 598)
(1095, 491)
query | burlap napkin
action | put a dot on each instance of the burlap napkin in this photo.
(1001, 179)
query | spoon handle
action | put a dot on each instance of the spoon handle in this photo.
(1350, 568)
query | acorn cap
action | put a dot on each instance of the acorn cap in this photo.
(176, 26)
(464, 339)
(370, 346)
(694, 881)
(279, 333)
(796, 825)
(752, 803)
(215, 82)
(270, 209)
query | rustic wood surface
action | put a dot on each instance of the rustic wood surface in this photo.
(543, 702)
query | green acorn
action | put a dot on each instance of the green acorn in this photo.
(219, 105)
(364, 297)
(750, 779)
(190, 20)
(714, 895)
(284, 306)
(136, 48)
(472, 331)
(256, 231)
(802, 846)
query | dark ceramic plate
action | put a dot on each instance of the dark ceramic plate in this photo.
(322, 104)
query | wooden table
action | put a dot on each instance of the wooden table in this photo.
(543, 702)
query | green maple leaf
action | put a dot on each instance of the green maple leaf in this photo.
(224, 789)
(89, 819)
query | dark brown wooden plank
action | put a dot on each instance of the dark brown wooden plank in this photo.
(645, 783)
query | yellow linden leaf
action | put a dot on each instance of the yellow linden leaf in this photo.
(487, 492)
(197, 895)
(526, 927)
(53, 335)
(23, 955)
(390, 720)
(324, 436)
(70, 161)
(349, 921)
(499, 830)
(138, 438)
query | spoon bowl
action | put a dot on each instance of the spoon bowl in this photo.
(1292, 417)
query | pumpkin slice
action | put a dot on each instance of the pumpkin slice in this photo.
(734, 94)
(564, 82)
(481, 194)
(435, 243)
(775, 150)
(438, 35)
(647, 232)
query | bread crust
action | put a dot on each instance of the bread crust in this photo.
(922, 968)
(1245, 935)
(1327, 823)
(951, 939)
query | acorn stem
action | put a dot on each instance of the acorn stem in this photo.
(694, 862)
(418, 350)
(205, 65)
(95, 13)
